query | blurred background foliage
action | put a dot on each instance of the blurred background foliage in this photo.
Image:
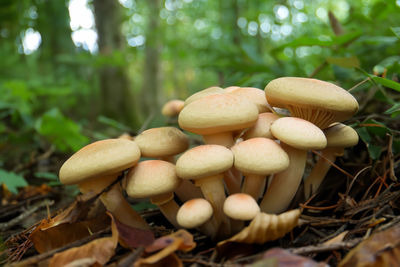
(73, 71)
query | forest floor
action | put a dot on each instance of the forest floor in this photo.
(356, 213)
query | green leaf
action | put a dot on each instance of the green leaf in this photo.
(396, 31)
(64, 133)
(386, 82)
(394, 111)
(345, 62)
(12, 180)
(46, 175)
(113, 123)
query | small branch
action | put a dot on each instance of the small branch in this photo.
(324, 247)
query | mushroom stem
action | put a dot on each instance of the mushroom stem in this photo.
(168, 207)
(320, 169)
(253, 184)
(187, 190)
(232, 182)
(214, 191)
(284, 185)
(223, 139)
(114, 202)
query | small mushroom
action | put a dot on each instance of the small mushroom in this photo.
(99, 164)
(196, 213)
(240, 207)
(254, 95)
(157, 180)
(296, 136)
(338, 136)
(205, 165)
(256, 158)
(262, 128)
(172, 108)
(213, 90)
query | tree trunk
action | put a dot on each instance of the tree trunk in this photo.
(150, 94)
(116, 98)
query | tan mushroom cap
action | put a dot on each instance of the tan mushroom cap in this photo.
(262, 128)
(340, 135)
(151, 178)
(241, 206)
(194, 213)
(203, 161)
(231, 88)
(254, 95)
(298, 133)
(218, 113)
(101, 158)
(172, 108)
(317, 101)
(162, 142)
(259, 156)
(213, 90)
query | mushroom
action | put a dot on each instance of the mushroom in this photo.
(172, 108)
(155, 179)
(240, 207)
(319, 102)
(262, 128)
(213, 90)
(99, 164)
(254, 95)
(338, 136)
(164, 143)
(196, 213)
(296, 137)
(205, 165)
(215, 117)
(256, 158)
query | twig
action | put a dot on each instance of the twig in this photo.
(325, 247)
(333, 164)
(391, 158)
(358, 84)
(7, 225)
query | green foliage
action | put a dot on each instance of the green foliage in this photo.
(12, 180)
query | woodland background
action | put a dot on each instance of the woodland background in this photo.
(65, 82)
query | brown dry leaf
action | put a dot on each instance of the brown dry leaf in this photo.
(68, 226)
(380, 249)
(133, 237)
(280, 257)
(167, 245)
(266, 227)
(100, 250)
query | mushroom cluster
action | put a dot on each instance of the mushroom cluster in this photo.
(252, 160)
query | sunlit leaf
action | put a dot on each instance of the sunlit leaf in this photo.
(386, 82)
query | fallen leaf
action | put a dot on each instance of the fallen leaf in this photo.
(282, 258)
(134, 237)
(70, 225)
(166, 246)
(336, 239)
(98, 251)
(266, 227)
(380, 249)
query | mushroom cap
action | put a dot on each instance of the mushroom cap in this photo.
(162, 142)
(231, 88)
(317, 101)
(218, 113)
(241, 206)
(172, 108)
(340, 135)
(254, 95)
(298, 133)
(203, 161)
(194, 213)
(213, 90)
(101, 158)
(259, 156)
(151, 178)
(262, 128)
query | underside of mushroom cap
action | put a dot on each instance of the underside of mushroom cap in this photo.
(218, 113)
(98, 159)
(314, 100)
(298, 133)
(203, 161)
